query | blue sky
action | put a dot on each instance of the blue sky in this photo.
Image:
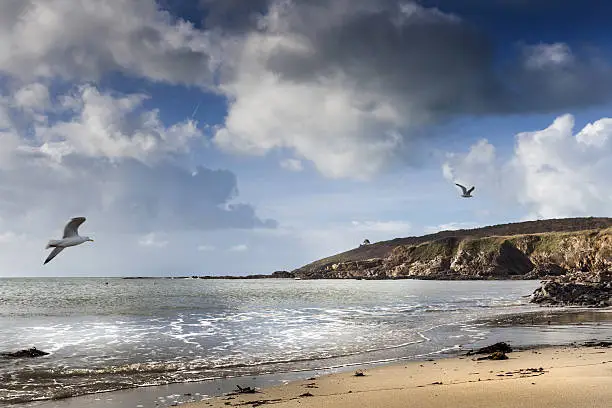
(234, 137)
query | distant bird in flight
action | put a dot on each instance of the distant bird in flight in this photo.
(71, 238)
(466, 193)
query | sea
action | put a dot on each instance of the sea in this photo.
(109, 334)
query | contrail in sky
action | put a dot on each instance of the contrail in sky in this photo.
(195, 110)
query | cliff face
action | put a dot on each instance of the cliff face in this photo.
(383, 249)
(527, 256)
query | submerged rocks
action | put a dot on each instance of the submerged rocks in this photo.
(28, 353)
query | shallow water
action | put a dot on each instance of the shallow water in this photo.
(110, 334)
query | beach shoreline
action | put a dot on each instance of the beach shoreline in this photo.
(449, 334)
(560, 376)
(285, 388)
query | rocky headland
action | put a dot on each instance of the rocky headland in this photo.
(526, 250)
(573, 257)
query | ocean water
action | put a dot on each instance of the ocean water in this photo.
(111, 334)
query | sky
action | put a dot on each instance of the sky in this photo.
(237, 137)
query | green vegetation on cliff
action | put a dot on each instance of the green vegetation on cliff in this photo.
(520, 250)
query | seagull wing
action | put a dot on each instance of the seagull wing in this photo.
(471, 189)
(53, 254)
(462, 188)
(72, 228)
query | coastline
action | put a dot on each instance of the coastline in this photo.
(506, 319)
(567, 376)
(583, 324)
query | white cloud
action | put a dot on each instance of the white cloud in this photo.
(552, 172)
(152, 240)
(542, 56)
(319, 121)
(238, 248)
(83, 40)
(563, 174)
(206, 248)
(345, 124)
(292, 164)
(350, 86)
(33, 96)
(479, 168)
(290, 74)
(101, 154)
(114, 126)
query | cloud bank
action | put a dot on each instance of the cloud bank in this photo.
(553, 172)
(346, 85)
(349, 84)
(101, 154)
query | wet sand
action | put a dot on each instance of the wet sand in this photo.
(571, 376)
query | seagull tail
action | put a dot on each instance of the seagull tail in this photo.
(52, 243)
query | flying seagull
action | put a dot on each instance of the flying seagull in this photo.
(71, 238)
(466, 193)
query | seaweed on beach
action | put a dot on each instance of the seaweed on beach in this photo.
(598, 344)
(498, 355)
(502, 347)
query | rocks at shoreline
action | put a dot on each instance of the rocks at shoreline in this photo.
(579, 288)
(587, 294)
(496, 351)
(603, 344)
(501, 347)
(27, 353)
(575, 266)
(273, 275)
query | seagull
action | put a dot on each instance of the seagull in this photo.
(71, 238)
(466, 193)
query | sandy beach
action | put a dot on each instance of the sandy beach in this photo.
(548, 377)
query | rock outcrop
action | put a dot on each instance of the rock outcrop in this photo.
(27, 353)
(590, 289)
(524, 256)
(585, 294)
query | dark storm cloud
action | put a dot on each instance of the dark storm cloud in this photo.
(428, 60)
(233, 15)
(441, 64)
